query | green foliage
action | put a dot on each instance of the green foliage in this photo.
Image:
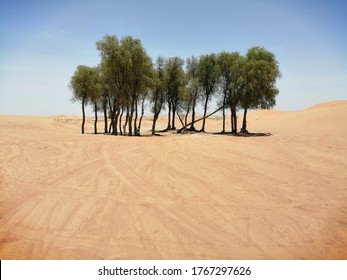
(174, 77)
(85, 84)
(232, 77)
(157, 96)
(126, 66)
(262, 72)
(127, 77)
(192, 77)
(208, 73)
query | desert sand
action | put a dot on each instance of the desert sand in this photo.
(65, 195)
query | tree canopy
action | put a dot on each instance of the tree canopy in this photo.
(86, 87)
(126, 80)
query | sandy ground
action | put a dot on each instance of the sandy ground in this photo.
(65, 195)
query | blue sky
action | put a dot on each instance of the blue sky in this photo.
(42, 43)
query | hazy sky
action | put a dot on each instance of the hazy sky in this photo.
(42, 43)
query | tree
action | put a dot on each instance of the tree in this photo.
(126, 78)
(105, 98)
(193, 85)
(105, 108)
(236, 86)
(139, 79)
(96, 95)
(231, 72)
(110, 56)
(208, 75)
(225, 80)
(184, 105)
(174, 81)
(143, 97)
(262, 71)
(128, 71)
(85, 85)
(158, 94)
(203, 118)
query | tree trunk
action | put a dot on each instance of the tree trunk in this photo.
(110, 127)
(120, 121)
(142, 113)
(187, 112)
(156, 113)
(112, 108)
(169, 118)
(83, 115)
(155, 117)
(135, 121)
(205, 110)
(96, 118)
(115, 122)
(114, 119)
(179, 117)
(126, 121)
(173, 116)
(131, 117)
(130, 125)
(192, 127)
(244, 122)
(105, 116)
(186, 118)
(203, 118)
(232, 122)
(225, 96)
(235, 121)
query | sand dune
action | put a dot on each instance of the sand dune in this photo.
(199, 196)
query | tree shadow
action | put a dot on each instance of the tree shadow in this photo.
(92, 133)
(188, 132)
(152, 135)
(243, 134)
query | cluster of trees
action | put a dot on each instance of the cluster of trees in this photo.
(126, 79)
